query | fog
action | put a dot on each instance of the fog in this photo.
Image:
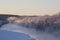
(38, 35)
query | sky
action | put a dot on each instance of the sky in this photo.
(29, 7)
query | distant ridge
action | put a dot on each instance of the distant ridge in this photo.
(4, 16)
(9, 15)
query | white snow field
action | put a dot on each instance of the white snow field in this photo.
(37, 35)
(8, 35)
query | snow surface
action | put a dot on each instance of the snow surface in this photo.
(8, 35)
(29, 31)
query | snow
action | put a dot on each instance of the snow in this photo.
(29, 31)
(8, 35)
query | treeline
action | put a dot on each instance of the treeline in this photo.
(44, 23)
(3, 18)
(47, 22)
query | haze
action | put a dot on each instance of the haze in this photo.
(29, 7)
